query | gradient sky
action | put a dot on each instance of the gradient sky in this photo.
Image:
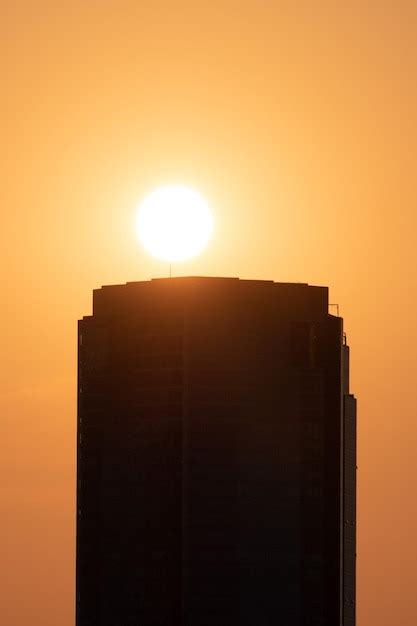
(298, 122)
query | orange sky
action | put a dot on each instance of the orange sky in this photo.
(297, 120)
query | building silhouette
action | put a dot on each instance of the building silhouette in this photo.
(216, 457)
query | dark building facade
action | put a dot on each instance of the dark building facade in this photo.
(216, 477)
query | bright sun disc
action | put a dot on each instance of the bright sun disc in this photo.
(174, 223)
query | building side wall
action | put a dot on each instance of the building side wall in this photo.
(129, 524)
(349, 526)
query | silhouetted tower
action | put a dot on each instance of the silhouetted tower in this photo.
(216, 457)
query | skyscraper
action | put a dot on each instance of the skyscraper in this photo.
(216, 457)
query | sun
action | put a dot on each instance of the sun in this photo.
(174, 223)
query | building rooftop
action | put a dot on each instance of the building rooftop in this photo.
(116, 299)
